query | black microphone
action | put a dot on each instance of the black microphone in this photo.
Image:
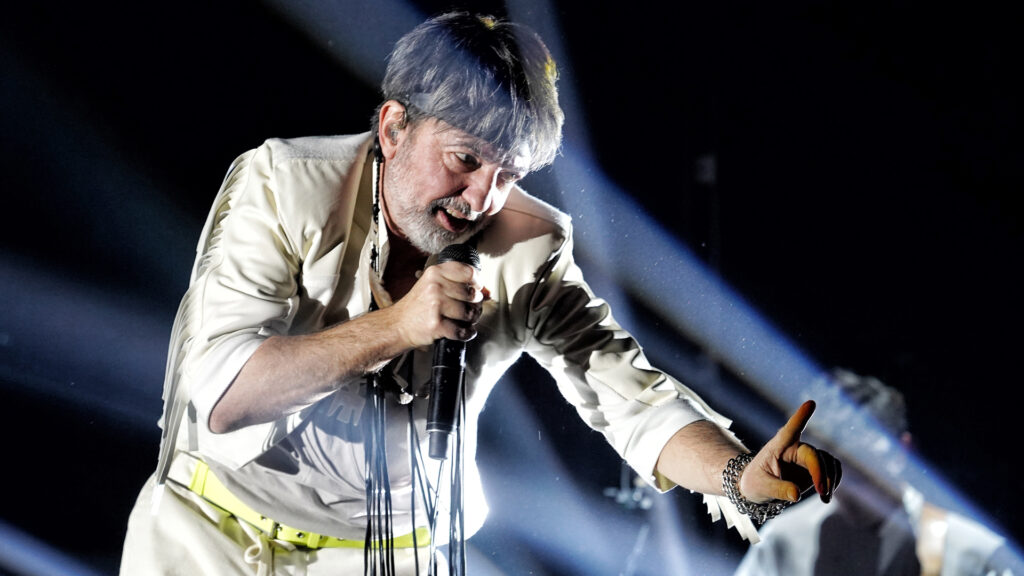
(448, 368)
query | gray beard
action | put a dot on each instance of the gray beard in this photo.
(423, 231)
(430, 241)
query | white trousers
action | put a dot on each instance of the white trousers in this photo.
(190, 537)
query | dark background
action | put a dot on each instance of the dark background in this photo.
(864, 199)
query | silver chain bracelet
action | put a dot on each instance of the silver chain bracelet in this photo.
(759, 513)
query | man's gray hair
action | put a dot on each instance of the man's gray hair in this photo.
(490, 78)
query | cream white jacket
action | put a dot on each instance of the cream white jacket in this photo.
(286, 250)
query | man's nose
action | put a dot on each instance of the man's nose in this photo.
(481, 189)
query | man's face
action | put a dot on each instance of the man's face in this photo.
(442, 185)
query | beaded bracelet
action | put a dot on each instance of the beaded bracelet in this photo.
(759, 513)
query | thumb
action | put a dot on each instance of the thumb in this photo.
(782, 490)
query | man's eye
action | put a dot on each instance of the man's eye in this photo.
(509, 177)
(468, 159)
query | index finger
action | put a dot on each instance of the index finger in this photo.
(461, 281)
(458, 271)
(796, 424)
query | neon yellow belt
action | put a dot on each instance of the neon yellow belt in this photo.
(207, 485)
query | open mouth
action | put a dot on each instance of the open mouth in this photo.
(452, 220)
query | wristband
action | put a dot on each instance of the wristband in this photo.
(759, 513)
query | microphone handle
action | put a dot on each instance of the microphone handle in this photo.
(447, 374)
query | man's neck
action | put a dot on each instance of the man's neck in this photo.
(404, 261)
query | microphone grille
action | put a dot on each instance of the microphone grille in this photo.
(459, 253)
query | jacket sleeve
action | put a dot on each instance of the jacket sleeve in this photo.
(602, 370)
(243, 291)
(246, 286)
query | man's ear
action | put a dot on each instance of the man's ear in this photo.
(391, 127)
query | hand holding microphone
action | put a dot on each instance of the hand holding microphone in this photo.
(445, 302)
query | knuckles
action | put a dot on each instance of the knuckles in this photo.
(435, 308)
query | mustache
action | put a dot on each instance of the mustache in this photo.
(455, 204)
